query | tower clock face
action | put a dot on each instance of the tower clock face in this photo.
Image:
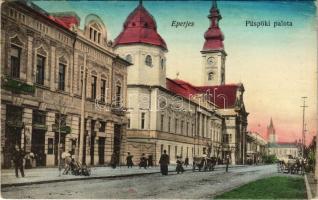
(211, 61)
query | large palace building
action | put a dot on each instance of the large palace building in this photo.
(175, 115)
(44, 57)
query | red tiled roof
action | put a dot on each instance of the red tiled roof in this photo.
(140, 27)
(225, 95)
(66, 19)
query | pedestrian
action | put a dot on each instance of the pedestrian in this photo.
(164, 162)
(179, 167)
(186, 162)
(129, 160)
(18, 156)
(227, 162)
(150, 161)
(143, 161)
(67, 162)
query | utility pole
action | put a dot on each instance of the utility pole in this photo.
(82, 132)
(303, 131)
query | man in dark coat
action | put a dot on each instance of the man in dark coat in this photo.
(143, 161)
(129, 160)
(164, 162)
(113, 161)
(18, 156)
(227, 162)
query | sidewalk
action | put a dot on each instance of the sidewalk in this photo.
(47, 175)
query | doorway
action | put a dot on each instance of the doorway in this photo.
(38, 147)
(101, 150)
(117, 141)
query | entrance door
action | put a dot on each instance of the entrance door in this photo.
(62, 147)
(117, 141)
(38, 146)
(92, 147)
(101, 150)
(12, 138)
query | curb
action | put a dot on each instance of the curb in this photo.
(5, 185)
(308, 190)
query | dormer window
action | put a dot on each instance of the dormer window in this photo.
(148, 61)
(94, 34)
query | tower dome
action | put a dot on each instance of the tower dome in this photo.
(140, 27)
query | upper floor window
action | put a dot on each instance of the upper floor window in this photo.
(210, 76)
(103, 90)
(129, 58)
(182, 125)
(143, 120)
(148, 61)
(93, 89)
(169, 124)
(94, 34)
(15, 61)
(38, 117)
(40, 67)
(161, 122)
(118, 95)
(176, 125)
(61, 78)
(162, 63)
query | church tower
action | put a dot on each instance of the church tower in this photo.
(271, 132)
(140, 43)
(213, 54)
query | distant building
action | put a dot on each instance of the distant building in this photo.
(255, 147)
(280, 149)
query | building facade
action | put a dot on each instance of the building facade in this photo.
(43, 62)
(172, 114)
(256, 148)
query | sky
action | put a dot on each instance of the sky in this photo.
(277, 65)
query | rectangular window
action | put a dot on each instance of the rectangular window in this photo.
(38, 117)
(50, 146)
(169, 125)
(128, 123)
(90, 33)
(93, 90)
(102, 126)
(187, 129)
(176, 125)
(182, 125)
(161, 122)
(118, 96)
(169, 147)
(15, 61)
(142, 120)
(40, 67)
(103, 90)
(192, 130)
(61, 83)
(98, 38)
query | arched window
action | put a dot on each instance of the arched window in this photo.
(148, 61)
(162, 63)
(129, 58)
(210, 76)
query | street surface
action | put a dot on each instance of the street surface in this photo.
(188, 185)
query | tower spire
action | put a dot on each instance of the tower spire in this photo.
(214, 36)
(214, 5)
(140, 2)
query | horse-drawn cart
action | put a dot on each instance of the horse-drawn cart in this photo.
(205, 163)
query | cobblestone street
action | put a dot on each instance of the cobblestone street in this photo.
(188, 185)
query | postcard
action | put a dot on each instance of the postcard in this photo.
(159, 99)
